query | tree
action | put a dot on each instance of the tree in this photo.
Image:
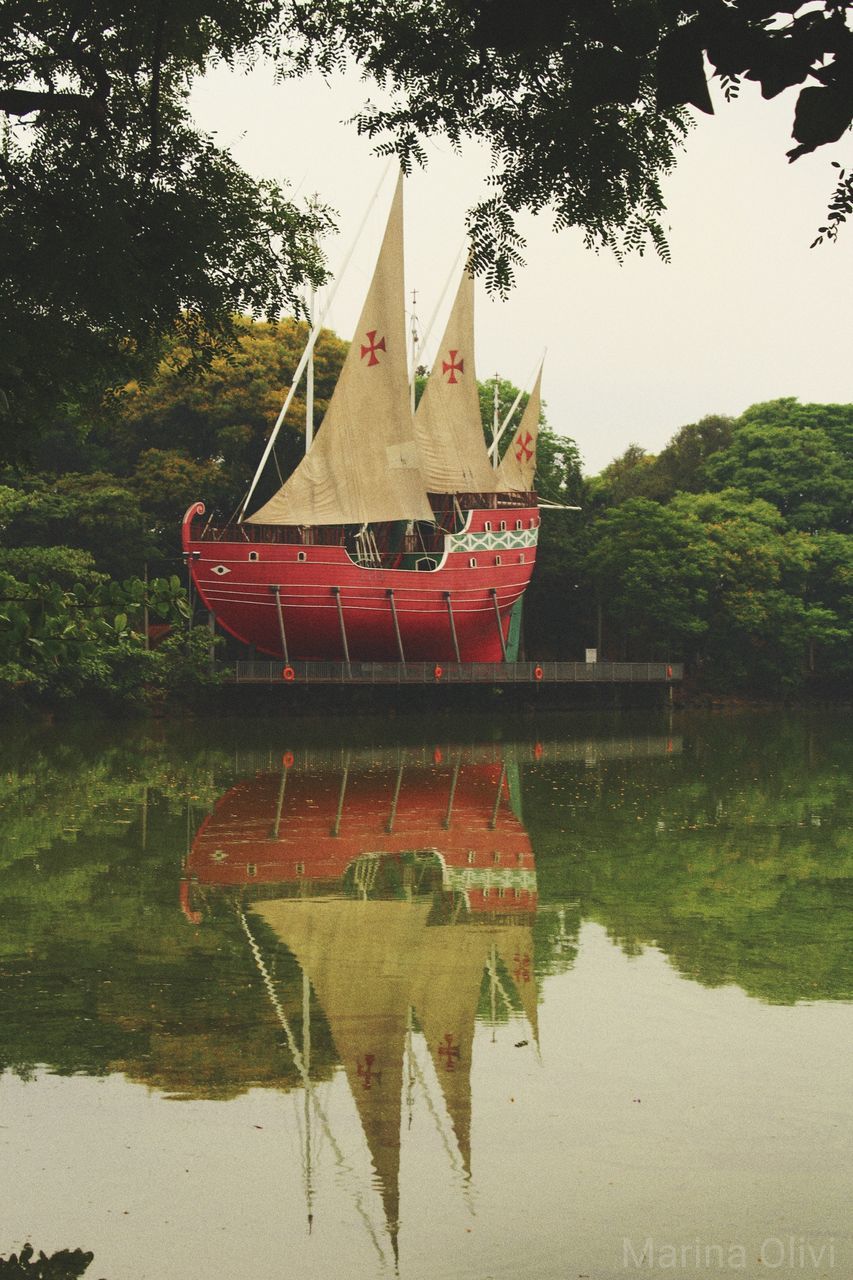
(119, 221)
(758, 623)
(795, 464)
(680, 464)
(651, 575)
(634, 474)
(583, 105)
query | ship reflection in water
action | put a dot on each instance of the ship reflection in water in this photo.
(406, 895)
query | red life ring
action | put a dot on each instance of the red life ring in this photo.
(669, 673)
(537, 673)
(287, 759)
(437, 671)
(288, 673)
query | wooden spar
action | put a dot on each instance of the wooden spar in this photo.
(494, 818)
(309, 381)
(393, 604)
(280, 804)
(493, 447)
(452, 625)
(336, 592)
(306, 354)
(336, 828)
(414, 332)
(451, 797)
(277, 593)
(389, 826)
(498, 619)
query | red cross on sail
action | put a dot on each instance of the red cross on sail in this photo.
(524, 452)
(449, 1052)
(453, 368)
(372, 347)
(365, 1070)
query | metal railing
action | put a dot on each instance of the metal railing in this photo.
(436, 673)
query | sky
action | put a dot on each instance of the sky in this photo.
(745, 312)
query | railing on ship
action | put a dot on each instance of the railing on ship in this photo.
(450, 518)
(268, 672)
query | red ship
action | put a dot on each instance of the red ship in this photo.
(395, 537)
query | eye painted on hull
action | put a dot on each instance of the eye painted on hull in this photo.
(220, 570)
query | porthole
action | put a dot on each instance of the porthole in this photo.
(301, 556)
(251, 870)
(498, 560)
(532, 523)
(300, 868)
(488, 526)
(519, 524)
(472, 563)
(503, 526)
(253, 555)
(470, 855)
(521, 558)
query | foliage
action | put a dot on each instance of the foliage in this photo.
(96, 513)
(59, 642)
(65, 1264)
(731, 549)
(583, 106)
(654, 575)
(120, 221)
(798, 468)
(732, 854)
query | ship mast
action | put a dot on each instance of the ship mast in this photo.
(415, 340)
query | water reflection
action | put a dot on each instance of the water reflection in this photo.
(402, 893)
(535, 963)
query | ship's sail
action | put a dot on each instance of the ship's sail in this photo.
(364, 464)
(360, 958)
(448, 426)
(445, 995)
(518, 465)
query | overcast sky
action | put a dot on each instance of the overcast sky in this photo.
(745, 311)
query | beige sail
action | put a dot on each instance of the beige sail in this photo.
(514, 945)
(448, 427)
(360, 958)
(363, 465)
(518, 465)
(445, 995)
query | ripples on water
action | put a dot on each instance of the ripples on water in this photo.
(575, 1002)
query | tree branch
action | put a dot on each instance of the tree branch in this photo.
(22, 102)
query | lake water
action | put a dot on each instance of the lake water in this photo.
(565, 998)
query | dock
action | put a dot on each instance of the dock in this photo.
(298, 674)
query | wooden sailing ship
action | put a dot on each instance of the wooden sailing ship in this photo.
(395, 537)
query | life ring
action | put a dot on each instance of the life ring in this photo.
(288, 673)
(669, 673)
(437, 671)
(537, 673)
(287, 759)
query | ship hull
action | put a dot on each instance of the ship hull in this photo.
(331, 608)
